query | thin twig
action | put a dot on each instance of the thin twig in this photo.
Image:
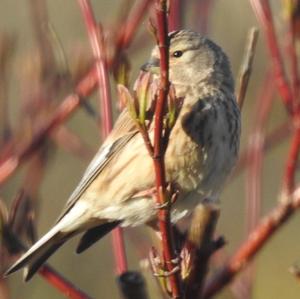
(291, 164)
(256, 141)
(12, 161)
(274, 138)
(71, 142)
(264, 15)
(96, 38)
(293, 18)
(129, 29)
(201, 15)
(267, 227)
(246, 67)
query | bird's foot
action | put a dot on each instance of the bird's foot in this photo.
(164, 273)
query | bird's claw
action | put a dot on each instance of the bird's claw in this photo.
(162, 206)
(164, 273)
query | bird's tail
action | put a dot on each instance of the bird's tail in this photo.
(34, 258)
(72, 223)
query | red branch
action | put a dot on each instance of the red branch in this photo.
(201, 15)
(83, 89)
(95, 33)
(254, 171)
(132, 24)
(264, 15)
(176, 14)
(293, 18)
(60, 283)
(256, 146)
(255, 241)
(159, 148)
(291, 165)
(97, 43)
(62, 113)
(274, 138)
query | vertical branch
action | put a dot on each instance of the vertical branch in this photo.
(96, 37)
(254, 172)
(263, 12)
(201, 15)
(293, 18)
(246, 68)
(256, 144)
(176, 14)
(291, 164)
(255, 152)
(159, 149)
(97, 42)
(129, 28)
(273, 139)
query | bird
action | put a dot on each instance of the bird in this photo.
(202, 151)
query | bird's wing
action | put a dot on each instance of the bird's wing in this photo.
(122, 132)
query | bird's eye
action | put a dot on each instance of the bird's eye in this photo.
(177, 54)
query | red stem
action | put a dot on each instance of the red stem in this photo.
(95, 33)
(256, 146)
(254, 171)
(255, 241)
(201, 15)
(176, 14)
(11, 162)
(159, 147)
(83, 89)
(279, 134)
(294, 62)
(264, 15)
(132, 24)
(62, 284)
(291, 165)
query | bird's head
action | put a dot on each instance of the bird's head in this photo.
(193, 60)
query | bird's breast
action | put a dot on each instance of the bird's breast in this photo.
(203, 151)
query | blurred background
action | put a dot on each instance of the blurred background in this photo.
(93, 271)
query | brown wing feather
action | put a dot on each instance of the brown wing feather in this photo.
(122, 132)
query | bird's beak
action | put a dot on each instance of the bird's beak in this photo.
(151, 66)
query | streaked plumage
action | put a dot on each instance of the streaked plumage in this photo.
(201, 153)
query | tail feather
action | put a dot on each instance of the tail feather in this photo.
(38, 253)
(72, 223)
(37, 262)
(95, 234)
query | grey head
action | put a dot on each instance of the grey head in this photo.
(194, 60)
